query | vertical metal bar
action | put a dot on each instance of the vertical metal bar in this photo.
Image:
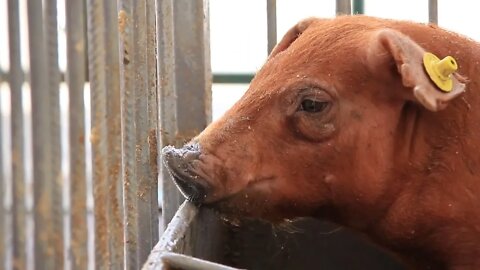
(271, 24)
(184, 71)
(145, 173)
(192, 66)
(5, 243)
(433, 11)
(137, 171)
(6, 183)
(167, 117)
(153, 144)
(115, 204)
(76, 250)
(55, 182)
(105, 134)
(128, 33)
(98, 136)
(44, 258)
(17, 136)
(358, 6)
(343, 7)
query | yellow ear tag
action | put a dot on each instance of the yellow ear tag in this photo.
(440, 71)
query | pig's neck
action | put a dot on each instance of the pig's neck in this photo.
(434, 218)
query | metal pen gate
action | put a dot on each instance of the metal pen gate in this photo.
(79, 145)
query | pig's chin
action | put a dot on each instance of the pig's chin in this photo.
(251, 205)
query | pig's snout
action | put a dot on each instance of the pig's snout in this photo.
(179, 163)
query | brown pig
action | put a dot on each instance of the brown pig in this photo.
(344, 123)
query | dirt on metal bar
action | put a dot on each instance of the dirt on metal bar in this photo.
(76, 52)
(98, 136)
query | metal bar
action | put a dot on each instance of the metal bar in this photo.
(115, 203)
(135, 132)
(180, 261)
(98, 136)
(4, 243)
(166, 99)
(152, 197)
(42, 226)
(128, 30)
(184, 71)
(178, 228)
(145, 174)
(3, 76)
(6, 253)
(105, 137)
(55, 182)
(271, 24)
(358, 6)
(75, 184)
(343, 7)
(16, 78)
(433, 11)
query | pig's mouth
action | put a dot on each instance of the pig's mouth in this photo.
(195, 193)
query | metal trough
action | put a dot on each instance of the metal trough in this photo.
(200, 239)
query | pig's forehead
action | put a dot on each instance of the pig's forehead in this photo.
(326, 54)
(327, 41)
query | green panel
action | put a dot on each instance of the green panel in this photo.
(358, 7)
(232, 78)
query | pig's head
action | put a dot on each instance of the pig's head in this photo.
(324, 129)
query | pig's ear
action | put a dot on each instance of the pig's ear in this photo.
(291, 36)
(392, 56)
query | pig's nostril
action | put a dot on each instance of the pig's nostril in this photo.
(179, 163)
(189, 156)
(168, 152)
(180, 158)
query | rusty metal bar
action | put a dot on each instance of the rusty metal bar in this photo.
(16, 78)
(433, 11)
(115, 203)
(153, 144)
(76, 255)
(192, 73)
(98, 136)
(145, 119)
(115, 183)
(138, 175)
(129, 30)
(183, 72)
(55, 182)
(105, 133)
(343, 7)
(42, 178)
(271, 24)
(171, 198)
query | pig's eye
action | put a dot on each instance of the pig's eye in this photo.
(313, 106)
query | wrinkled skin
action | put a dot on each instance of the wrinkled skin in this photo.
(330, 128)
